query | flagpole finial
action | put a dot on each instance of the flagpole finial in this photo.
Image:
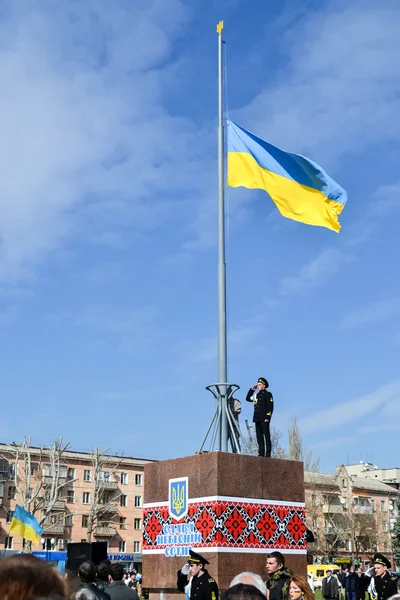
(220, 27)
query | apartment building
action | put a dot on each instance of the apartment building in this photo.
(117, 483)
(351, 516)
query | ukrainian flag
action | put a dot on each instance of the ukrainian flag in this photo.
(26, 525)
(299, 187)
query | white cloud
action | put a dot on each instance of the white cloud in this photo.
(85, 136)
(374, 312)
(338, 93)
(352, 410)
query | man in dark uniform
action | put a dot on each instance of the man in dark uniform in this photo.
(385, 584)
(263, 409)
(202, 585)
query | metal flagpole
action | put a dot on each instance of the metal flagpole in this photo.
(222, 335)
(224, 429)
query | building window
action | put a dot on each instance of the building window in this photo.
(86, 475)
(124, 478)
(138, 501)
(70, 473)
(123, 500)
(384, 526)
(105, 498)
(104, 475)
(122, 546)
(373, 504)
(313, 500)
(122, 522)
(84, 541)
(70, 496)
(383, 506)
(86, 497)
(137, 523)
(138, 479)
(344, 483)
(314, 523)
(8, 543)
(136, 546)
(85, 520)
(33, 468)
(68, 521)
(11, 492)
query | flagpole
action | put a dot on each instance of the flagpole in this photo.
(222, 334)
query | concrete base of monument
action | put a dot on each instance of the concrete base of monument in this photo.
(231, 508)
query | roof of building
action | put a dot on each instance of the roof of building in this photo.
(83, 456)
(320, 479)
(364, 483)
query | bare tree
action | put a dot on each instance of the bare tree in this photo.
(38, 485)
(105, 491)
(297, 451)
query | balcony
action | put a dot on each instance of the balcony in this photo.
(48, 480)
(330, 531)
(58, 505)
(111, 508)
(332, 509)
(109, 485)
(104, 532)
(55, 528)
(363, 510)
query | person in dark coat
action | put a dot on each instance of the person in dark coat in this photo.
(201, 585)
(330, 586)
(351, 584)
(384, 582)
(117, 589)
(263, 408)
(88, 589)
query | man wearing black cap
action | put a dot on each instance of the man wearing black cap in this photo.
(384, 583)
(263, 409)
(202, 585)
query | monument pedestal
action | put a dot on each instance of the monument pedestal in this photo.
(232, 508)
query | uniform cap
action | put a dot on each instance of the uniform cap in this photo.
(263, 380)
(196, 559)
(381, 559)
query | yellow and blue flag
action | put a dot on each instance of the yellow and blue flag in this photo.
(300, 188)
(26, 525)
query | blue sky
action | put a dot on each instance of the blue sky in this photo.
(108, 222)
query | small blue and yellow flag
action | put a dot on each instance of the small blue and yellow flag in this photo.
(26, 525)
(299, 187)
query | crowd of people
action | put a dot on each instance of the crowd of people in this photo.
(25, 577)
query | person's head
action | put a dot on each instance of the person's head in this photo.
(359, 571)
(133, 575)
(249, 578)
(381, 564)
(299, 588)
(262, 383)
(329, 573)
(243, 591)
(87, 572)
(24, 576)
(116, 572)
(275, 561)
(196, 563)
(103, 570)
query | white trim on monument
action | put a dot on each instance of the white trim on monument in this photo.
(229, 499)
(201, 550)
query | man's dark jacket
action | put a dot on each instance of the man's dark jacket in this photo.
(89, 591)
(264, 406)
(203, 587)
(385, 586)
(331, 589)
(278, 584)
(117, 590)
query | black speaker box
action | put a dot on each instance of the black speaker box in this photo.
(78, 553)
